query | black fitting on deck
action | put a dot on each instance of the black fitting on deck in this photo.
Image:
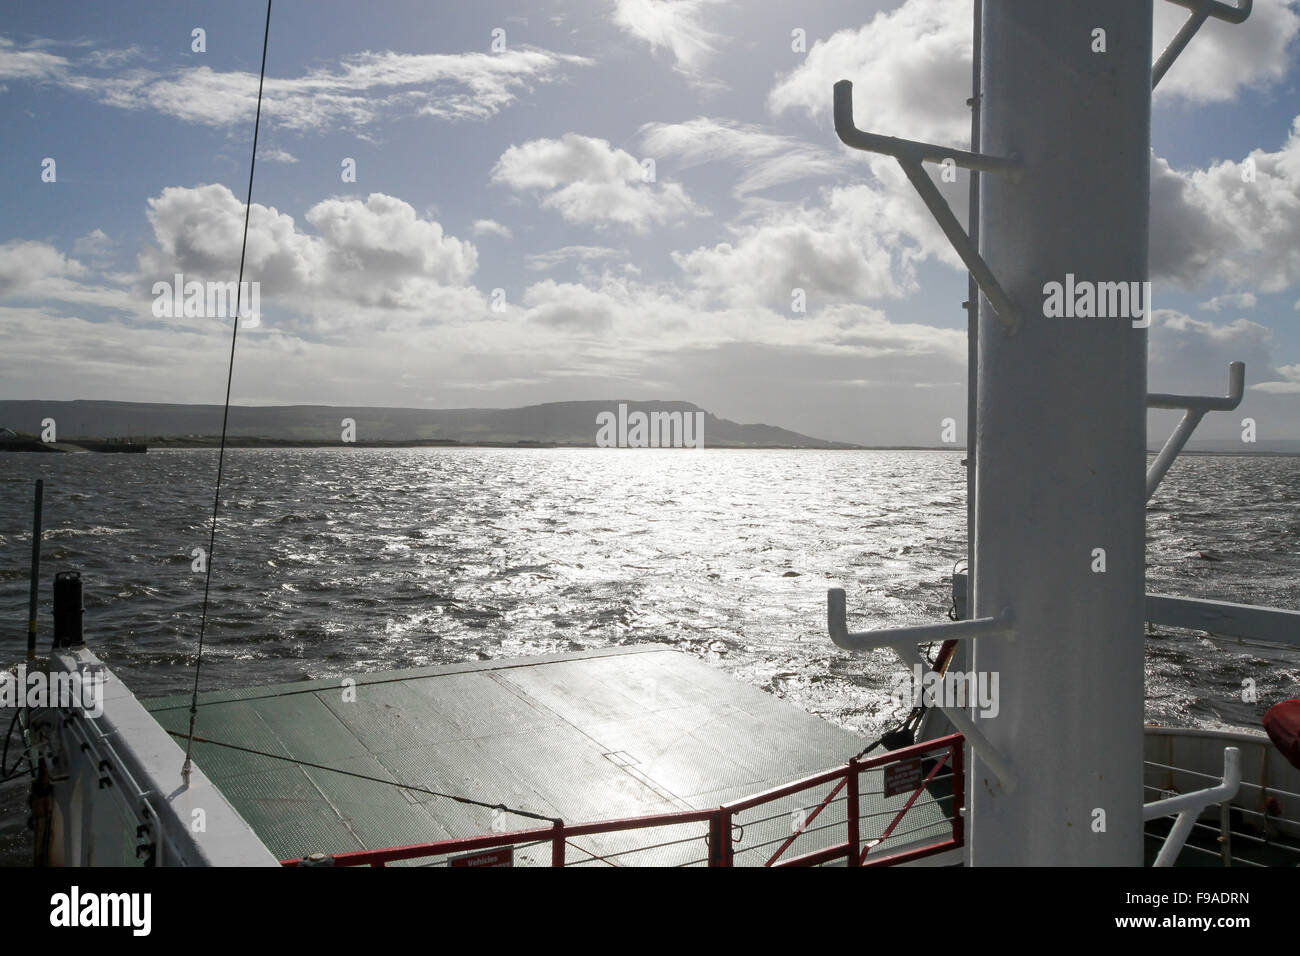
(68, 610)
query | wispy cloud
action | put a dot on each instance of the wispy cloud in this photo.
(363, 89)
(547, 260)
(676, 26)
(767, 158)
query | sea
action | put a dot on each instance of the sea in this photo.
(332, 562)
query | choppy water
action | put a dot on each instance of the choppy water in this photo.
(335, 561)
(330, 562)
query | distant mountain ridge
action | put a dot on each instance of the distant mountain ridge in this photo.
(561, 423)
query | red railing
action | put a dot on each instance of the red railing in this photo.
(723, 821)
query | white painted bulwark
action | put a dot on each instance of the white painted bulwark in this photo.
(1060, 468)
(119, 771)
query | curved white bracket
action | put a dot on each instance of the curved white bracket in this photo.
(903, 640)
(1188, 806)
(1202, 10)
(1196, 406)
(836, 621)
(911, 155)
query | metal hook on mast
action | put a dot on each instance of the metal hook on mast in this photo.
(1202, 10)
(1195, 407)
(911, 156)
(903, 641)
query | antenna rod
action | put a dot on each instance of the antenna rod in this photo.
(36, 571)
(225, 413)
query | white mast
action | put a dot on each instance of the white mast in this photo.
(1060, 467)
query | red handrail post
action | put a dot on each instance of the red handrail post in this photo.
(720, 838)
(958, 791)
(557, 844)
(851, 808)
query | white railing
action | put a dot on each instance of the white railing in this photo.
(1188, 806)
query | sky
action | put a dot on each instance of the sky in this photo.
(584, 199)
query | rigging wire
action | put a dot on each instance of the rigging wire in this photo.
(470, 801)
(225, 413)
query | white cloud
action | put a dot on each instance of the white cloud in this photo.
(276, 156)
(94, 245)
(377, 254)
(490, 227)
(587, 181)
(363, 89)
(768, 158)
(1225, 58)
(856, 243)
(1239, 221)
(910, 67)
(568, 304)
(26, 267)
(29, 64)
(676, 26)
(1191, 356)
(547, 260)
(1237, 300)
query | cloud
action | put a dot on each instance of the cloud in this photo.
(490, 227)
(768, 158)
(93, 245)
(27, 266)
(364, 88)
(276, 156)
(857, 243)
(568, 304)
(1225, 58)
(1239, 300)
(676, 26)
(377, 254)
(1239, 221)
(914, 61)
(547, 260)
(29, 63)
(1191, 356)
(37, 271)
(589, 182)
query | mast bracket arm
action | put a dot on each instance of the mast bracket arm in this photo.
(1201, 10)
(897, 637)
(1195, 407)
(911, 156)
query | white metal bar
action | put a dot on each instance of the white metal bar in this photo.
(1000, 626)
(1200, 799)
(1196, 406)
(1207, 403)
(908, 149)
(1223, 617)
(910, 155)
(964, 724)
(1201, 10)
(1188, 806)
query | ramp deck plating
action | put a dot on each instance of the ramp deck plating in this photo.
(584, 736)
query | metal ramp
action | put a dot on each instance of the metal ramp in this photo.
(589, 736)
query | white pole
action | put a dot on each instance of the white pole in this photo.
(1060, 455)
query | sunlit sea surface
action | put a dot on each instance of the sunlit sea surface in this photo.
(331, 562)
